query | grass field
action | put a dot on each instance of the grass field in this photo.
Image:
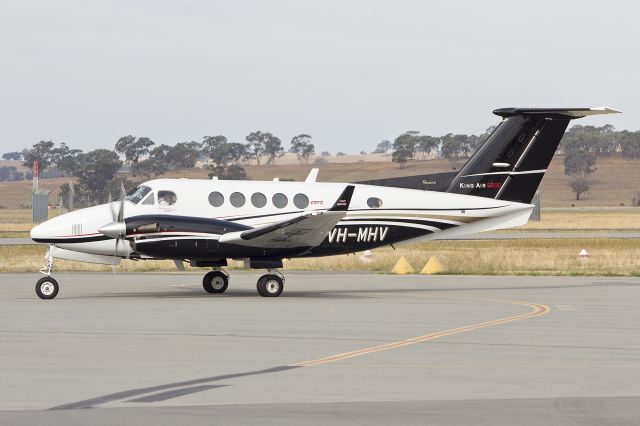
(614, 257)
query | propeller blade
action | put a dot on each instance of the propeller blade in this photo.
(114, 215)
(122, 196)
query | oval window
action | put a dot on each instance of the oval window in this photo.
(279, 200)
(301, 201)
(216, 199)
(374, 202)
(166, 198)
(258, 199)
(237, 199)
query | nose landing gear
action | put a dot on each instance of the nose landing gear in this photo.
(47, 287)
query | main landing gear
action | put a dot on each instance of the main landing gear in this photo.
(47, 287)
(269, 285)
(215, 281)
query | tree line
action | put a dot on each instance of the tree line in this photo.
(95, 171)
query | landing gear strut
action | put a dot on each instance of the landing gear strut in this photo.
(47, 287)
(271, 284)
(215, 281)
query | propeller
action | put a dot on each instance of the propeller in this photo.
(118, 228)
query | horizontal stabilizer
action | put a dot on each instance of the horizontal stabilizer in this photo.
(555, 112)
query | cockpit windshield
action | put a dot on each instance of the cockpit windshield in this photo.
(137, 194)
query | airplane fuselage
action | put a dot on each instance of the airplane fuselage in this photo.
(184, 218)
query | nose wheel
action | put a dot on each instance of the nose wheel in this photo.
(47, 288)
(270, 285)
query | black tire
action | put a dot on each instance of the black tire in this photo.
(270, 285)
(47, 288)
(215, 282)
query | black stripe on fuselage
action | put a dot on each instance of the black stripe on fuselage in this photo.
(71, 240)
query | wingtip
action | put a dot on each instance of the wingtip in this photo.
(343, 202)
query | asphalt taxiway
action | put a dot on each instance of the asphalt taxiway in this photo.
(152, 348)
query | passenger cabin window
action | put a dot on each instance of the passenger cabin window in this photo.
(259, 200)
(166, 198)
(279, 200)
(137, 194)
(149, 200)
(216, 199)
(374, 202)
(237, 199)
(301, 201)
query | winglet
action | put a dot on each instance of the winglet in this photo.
(342, 204)
(313, 175)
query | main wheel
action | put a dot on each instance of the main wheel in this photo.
(270, 285)
(47, 288)
(215, 282)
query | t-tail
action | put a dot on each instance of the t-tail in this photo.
(512, 161)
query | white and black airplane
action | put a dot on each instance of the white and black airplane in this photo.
(206, 222)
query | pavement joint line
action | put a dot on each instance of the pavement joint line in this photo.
(537, 310)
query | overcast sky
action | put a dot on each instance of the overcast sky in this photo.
(349, 73)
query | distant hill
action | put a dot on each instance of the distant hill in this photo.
(615, 181)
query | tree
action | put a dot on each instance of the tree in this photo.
(264, 144)
(425, 145)
(597, 140)
(401, 154)
(579, 185)
(156, 164)
(214, 147)
(455, 147)
(629, 144)
(65, 158)
(579, 163)
(41, 152)
(326, 154)
(133, 148)
(185, 154)
(15, 155)
(95, 172)
(403, 148)
(303, 148)
(383, 147)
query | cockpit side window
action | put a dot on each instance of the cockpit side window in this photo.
(149, 200)
(166, 198)
(137, 194)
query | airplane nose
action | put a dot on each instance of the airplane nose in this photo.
(40, 231)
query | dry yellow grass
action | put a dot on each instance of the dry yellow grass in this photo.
(587, 219)
(616, 257)
(608, 257)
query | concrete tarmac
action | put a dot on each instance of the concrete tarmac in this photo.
(152, 348)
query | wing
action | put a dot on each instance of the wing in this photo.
(307, 230)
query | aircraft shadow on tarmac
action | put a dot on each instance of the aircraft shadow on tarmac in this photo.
(195, 292)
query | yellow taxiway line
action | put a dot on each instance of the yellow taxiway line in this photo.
(536, 310)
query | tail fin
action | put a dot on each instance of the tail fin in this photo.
(511, 163)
